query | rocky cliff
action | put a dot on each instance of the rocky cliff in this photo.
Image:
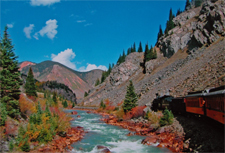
(190, 58)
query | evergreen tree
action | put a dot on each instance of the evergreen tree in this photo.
(3, 114)
(85, 94)
(154, 54)
(198, 3)
(109, 69)
(140, 48)
(178, 12)
(145, 57)
(119, 60)
(123, 57)
(150, 56)
(9, 76)
(130, 98)
(133, 49)
(169, 24)
(160, 34)
(128, 51)
(54, 98)
(39, 110)
(97, 82)
(187, 5)
(30, 84)
(104, 75)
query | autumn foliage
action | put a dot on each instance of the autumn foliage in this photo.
(26, 105)
(134, 113)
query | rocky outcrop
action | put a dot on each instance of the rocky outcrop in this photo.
(125, 70)
(195, 28)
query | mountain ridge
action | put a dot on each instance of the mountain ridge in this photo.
(79, 82)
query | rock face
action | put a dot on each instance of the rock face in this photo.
(125, 70)
(195, 28)
(195, 62)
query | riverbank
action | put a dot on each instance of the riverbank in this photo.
(170, 136)
(62, 142)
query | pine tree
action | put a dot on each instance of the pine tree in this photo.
(145, 57)
(30, 84)
(123, 57)
(169, 24)
(128, 51)
(154, 54)
(140, 48)
(150, 55)
(119, 61)
(85, 94)
(187, 5)
(133, 48)
(54, 98)
(178, 12)
(9, 76)
(97, 82)
(198, 3)
(109, 69)
(130, 98)
(160, 34)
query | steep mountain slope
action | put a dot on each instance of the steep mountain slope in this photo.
(54, 71)
(24, 64)
(190, 58)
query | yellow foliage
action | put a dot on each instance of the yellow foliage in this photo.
(120, 113)
(154, 117)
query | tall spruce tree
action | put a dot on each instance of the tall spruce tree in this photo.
(169, 24)
(97, 82)
(187, 5)
(130, 98)
(10, 81)
(133, 48)
(140, 48)
(30, 84)
(160, 34)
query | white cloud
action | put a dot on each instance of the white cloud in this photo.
(92, 67)
(49, 29)
(28, 30)
(43, 2)
(10, 25)
(65, 57)
(88, 24)
(80, 21)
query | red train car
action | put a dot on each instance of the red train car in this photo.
(194, 103)
(210, 103)
(215, 105)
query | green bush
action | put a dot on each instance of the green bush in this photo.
(25, 147)
(11, 145)
(167, 118)
(3, 114)
(102, 105)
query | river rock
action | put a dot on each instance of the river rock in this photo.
(74, 113)
(103, 149)
(149, 140)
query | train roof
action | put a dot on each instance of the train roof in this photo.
(219, 92)
(217, 89)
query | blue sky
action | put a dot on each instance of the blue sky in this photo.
(82, 35)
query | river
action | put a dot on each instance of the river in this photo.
(113, 137)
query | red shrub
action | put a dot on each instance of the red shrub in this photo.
(120, 103)
(138, 111)
(128, 116)
(111, 108)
